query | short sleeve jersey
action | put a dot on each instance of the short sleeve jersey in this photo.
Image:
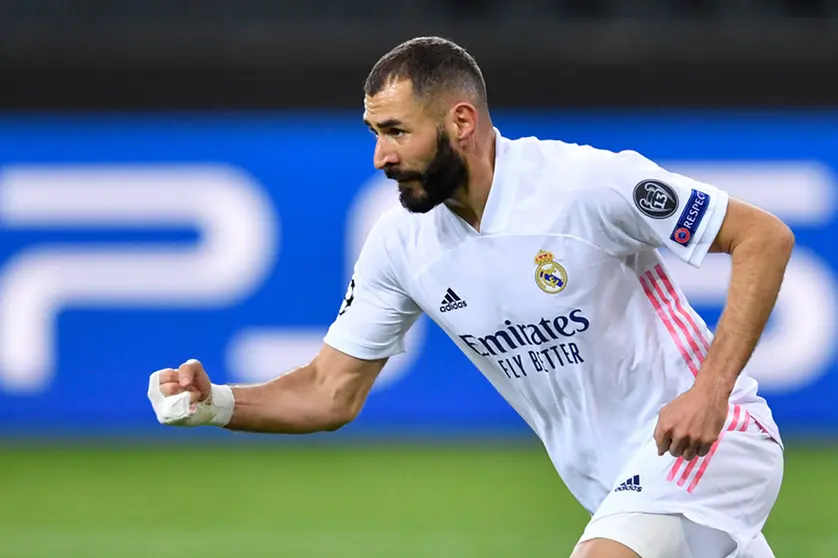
(561, 299)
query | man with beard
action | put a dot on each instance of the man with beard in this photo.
(540, 260)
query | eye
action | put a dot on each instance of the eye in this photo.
(396, 133)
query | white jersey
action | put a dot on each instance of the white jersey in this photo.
(561, 299)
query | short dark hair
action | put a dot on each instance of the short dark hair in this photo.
(433, 65)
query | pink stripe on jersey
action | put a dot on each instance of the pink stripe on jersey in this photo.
(746, 423)
(693, 462)
(737, 409)
(667, 323)
(671, 288)
(682, 327)
(675, 468)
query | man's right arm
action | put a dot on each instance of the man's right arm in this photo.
(323, 395)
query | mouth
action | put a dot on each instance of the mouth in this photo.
(404, 177)
(408, 183)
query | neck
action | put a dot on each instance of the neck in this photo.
(469, 202)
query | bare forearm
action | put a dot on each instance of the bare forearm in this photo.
(759, 264)
(295, 403)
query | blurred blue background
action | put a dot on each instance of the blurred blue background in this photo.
(132, 244)
(184, 179)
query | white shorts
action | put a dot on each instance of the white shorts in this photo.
(732, 489)
(669, 536)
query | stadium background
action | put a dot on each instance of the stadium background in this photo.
(191, 179)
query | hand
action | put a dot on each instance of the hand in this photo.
(186, 397)
(690, 424)
(190, 377)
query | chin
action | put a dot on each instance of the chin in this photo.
(410, 185)
(413, 205)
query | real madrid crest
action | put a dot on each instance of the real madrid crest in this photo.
(550, 276)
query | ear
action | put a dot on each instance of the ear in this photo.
(464, 121)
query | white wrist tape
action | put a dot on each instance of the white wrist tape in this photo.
(177, 410)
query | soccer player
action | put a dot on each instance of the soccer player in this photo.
(540, 259)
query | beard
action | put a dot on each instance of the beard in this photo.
(445, 174)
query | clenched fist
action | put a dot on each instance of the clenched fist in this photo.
(690, 424)
(186, 397)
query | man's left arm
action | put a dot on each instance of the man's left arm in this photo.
(637, 205)
(760, 246)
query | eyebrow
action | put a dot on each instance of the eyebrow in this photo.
(389, 123)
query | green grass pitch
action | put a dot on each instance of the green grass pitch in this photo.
(329, 500)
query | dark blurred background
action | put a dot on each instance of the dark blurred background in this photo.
(151, 54)
(190, 179)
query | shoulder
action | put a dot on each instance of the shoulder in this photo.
(577, 166)
(577, 173)
(547, 150)
(397, 229)
(402, 241)
(388, 232)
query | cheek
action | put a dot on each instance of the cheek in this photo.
(413, 164)
(416, 153)
(423, 159)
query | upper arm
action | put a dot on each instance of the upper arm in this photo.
(349, 379)
(342, 364)
(376, 311)
(640, 205)
(374, 317)
(744, 220)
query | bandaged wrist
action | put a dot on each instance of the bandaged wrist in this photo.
(222, 403)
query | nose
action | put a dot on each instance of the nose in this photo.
(384, 155)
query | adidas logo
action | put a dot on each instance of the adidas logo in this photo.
(630, 484)
(451, 302)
